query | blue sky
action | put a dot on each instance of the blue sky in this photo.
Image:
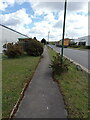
(16, 7)
(37, 18)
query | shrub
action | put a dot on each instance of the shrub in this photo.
(13, 50)
(43, 41)
(23, 42)
(4, 46)
(35, 38)
(72, 44)
(33, 47)
(47, 43)
(87, 47)
(53, 43)
(57, 66)
(75, 46)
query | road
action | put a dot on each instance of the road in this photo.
(79, 56)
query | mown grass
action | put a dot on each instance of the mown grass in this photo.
(74, 87)
(15, 73)
(0, 89)
(80, 48)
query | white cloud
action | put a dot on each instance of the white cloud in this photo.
(52, 6)
(40, 30)
(38, 13)
(58, 24)
(43, 3)
(5, 3)
(49, 17)
(76, 24)
(77, 21)
(16, 18)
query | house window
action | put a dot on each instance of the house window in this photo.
(82, 43)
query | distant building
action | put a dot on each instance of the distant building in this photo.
(9, 35)
(66, 42)
(57, 44)
(85, 41)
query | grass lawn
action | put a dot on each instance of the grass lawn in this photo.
(74, 87)
(0, 89)
(80, 48)
(15, 73)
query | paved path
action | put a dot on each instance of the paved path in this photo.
(42, 98)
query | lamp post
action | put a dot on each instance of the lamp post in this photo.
(48, 36)
(63, 30)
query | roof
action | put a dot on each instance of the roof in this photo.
(66, 39)
(13, 30)
(84, 36)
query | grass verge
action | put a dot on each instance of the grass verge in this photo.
(15, 74)
(80, 48)
(74, 87)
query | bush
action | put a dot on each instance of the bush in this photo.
(57, 66)
(33, 47)
(43, 41)
(87, 47)
(75, 46)
(13, 50)
(72, 44)
(53, 43)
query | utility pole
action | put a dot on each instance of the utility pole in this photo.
(63, 30)
(48, 36)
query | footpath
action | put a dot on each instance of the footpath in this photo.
(42, 98)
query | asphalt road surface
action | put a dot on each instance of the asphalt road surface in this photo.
(80, 56)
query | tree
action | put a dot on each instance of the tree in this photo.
(35, 38)
(43, 41)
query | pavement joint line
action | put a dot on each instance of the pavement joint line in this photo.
(83, 68)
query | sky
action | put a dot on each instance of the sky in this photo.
(36, 18)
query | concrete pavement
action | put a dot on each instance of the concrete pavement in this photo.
(42, 98)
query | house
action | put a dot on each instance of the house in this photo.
(83, 41)
(9, 35)
(66, 42)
